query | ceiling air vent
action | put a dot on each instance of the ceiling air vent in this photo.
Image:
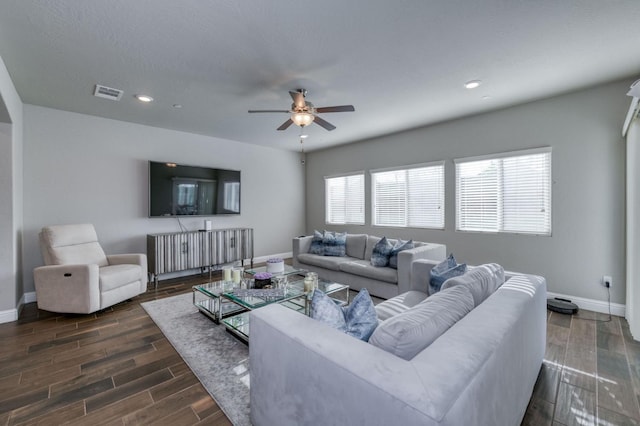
(107, 92)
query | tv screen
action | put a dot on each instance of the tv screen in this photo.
(178, 190)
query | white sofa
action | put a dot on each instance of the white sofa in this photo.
(355, 268)
(481, 371)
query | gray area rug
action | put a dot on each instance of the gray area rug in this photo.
(220, 361)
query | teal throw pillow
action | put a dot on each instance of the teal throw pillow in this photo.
(335, 243)
(359, 319)
(446, 269)
(400, 246)
(317, 245)
(381, 252)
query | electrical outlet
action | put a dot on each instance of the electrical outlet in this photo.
(606, 281)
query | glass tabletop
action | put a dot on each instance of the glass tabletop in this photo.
(256, 298)
(215, 288)
(288, 270)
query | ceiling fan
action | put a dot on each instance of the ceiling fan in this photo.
(304, 113)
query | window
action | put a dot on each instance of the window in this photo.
(344, 199)
(411, 197)
(510, 192)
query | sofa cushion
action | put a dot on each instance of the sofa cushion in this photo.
(365, 269)
(356, 244)
(328, 262)
(371, 243)
(381, 253)
(446, 269)
(359, 319)
(397, 248)
(114, 276)
(335, 243)
(482, 281)
(408, 333)
(399, 304)
(317, 246)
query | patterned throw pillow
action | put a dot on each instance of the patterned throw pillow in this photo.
(381, 253)
(335, 243)
(446, 269)
(400, 246)
(317, 246)
(359, 319)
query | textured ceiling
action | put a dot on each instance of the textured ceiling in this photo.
(402, 64)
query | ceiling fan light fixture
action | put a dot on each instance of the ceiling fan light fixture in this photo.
(302, 118)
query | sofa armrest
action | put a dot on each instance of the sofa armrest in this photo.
(420, 274)
(305, 372)
(68, 288)
(406, 258)
(128, 259)
(132, 259)
(300, 245)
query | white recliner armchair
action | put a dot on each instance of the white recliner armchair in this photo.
(79, 277)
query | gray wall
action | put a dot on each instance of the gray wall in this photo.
(11, 140)
(85, 169)
(583, 129)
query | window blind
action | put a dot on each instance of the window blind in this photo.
(412, 197)
(344, 200)
(507, 193)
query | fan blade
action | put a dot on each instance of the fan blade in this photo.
(268, 110)
(339, 108)
(298, 99)
(323, 123)
(285, 125)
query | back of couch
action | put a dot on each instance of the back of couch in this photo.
(483, 369)
(361, 245)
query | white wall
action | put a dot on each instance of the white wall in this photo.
(633, 228)
(11, 138)
(85, 169)
(583, 129)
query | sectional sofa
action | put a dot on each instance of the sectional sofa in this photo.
(480, 371)
(355, 267)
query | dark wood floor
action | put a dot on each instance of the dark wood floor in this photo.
(590, 375)
(110, 368)
(116, 368)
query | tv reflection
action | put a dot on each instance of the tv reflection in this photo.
(201, 197)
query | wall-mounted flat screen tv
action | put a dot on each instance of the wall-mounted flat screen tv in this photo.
(178, 190)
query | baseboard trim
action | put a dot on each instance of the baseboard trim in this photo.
(262, 259)
(12, 314)
(8, 316)
(593, 305)
(28, 297)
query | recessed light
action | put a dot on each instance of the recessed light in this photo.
(472, 84)
(144, 98)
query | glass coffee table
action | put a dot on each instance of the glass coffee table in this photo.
(294, 298)
(206, 297)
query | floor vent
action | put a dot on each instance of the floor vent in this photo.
(107, 92)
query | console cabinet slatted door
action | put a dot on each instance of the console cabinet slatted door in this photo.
(180, 251)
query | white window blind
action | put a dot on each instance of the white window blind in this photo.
(344, 199)
(412, 197)
(507, 193)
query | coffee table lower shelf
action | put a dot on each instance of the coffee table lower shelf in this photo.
(238, 324)
(209, 307)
